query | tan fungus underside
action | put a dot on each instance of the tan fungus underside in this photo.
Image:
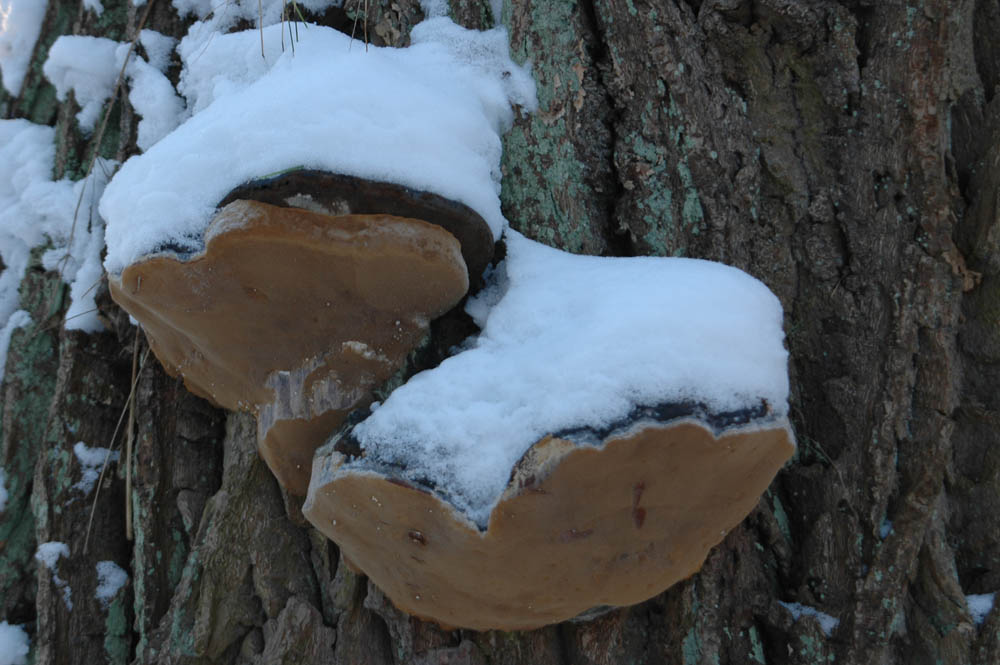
(295, 315)
(579, 527)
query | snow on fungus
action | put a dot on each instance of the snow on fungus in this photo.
(578, 527)
(614, 420)
(428, 117)
(294, 314)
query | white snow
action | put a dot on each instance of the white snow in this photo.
(91, 461)
(3, 490)
(428, 117)
(48, 554)
(158, 48)
(35, 210)
(110, 578)
(26, 156)
(94, 6)
(155, 101)
(578, 341)
(13, 644)
(20, 25)
(827, 623)
(980, 606)
(89, 66)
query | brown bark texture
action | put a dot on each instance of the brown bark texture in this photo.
(846, 153)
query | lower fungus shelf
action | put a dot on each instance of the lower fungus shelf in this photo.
(576, 527)
(539, 480)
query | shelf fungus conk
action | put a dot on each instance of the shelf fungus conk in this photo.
(308, 295)
(612, 422)
(577, 527)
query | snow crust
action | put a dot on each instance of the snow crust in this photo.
(48, 554)
(158, 47)
(110, 578)
(428, 117)
(87, 66)
(827, 623)
(578, 341)
(34, 211)
(13, 644)
(91, 461)
(20, 25)
(980, 606)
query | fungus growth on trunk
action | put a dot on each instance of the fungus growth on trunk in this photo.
(296, 315)
(295, 295)
(613, 421)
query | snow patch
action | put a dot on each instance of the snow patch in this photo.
(575, 342)
(980, 606)
(48, 554)
(13, 644)
(88, 66)
(35, 210)
(496, 6)
(155, 101)
(91, 461)
(158, 47)
(94, 6)
(827, 623)
(110, 578)
(428, 117)
(20, 25)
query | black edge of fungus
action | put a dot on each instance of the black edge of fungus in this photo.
(344, 194)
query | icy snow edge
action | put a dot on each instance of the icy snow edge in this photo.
(572, 342)
(427, 117)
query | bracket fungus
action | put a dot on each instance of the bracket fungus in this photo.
(298, 315)
(308, 290)
(614, 420)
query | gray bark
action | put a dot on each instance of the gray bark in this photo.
(845, 153)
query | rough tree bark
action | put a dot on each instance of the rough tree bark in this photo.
(846, 153)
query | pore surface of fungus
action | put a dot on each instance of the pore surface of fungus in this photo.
(576, 527)
(295, 315)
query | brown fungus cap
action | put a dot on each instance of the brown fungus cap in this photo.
(295, 315)
(577, 527)
(339, 194)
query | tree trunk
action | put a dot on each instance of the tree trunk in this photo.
(845, 153)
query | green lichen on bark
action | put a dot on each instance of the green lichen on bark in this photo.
(117, 636)
(29, 384)
(556, 161)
